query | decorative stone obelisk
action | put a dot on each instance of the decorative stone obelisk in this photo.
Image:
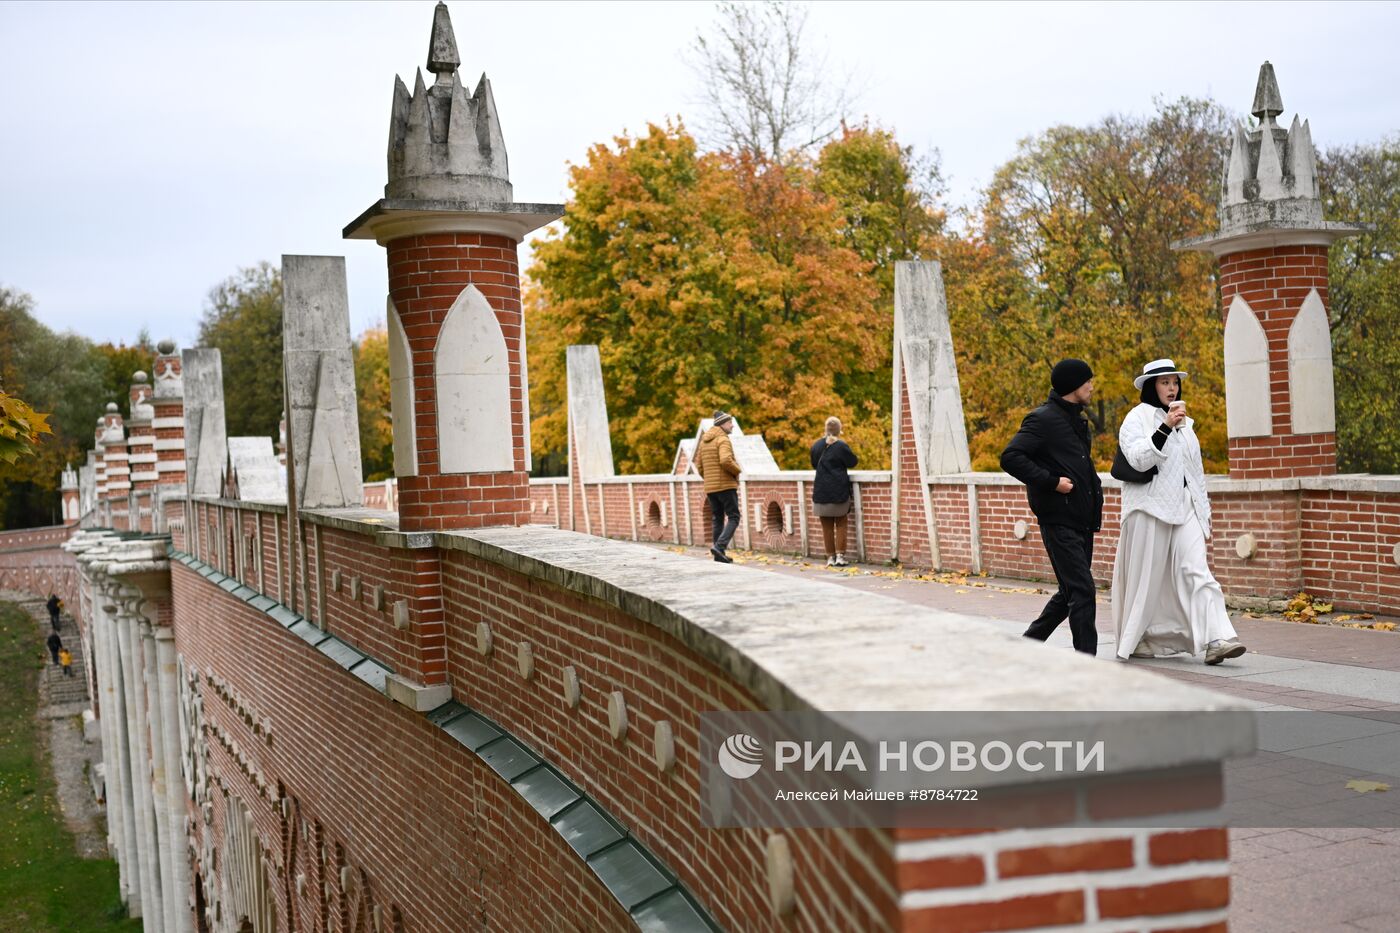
(118, 471)
(141, 454)
(459, 392)
(69, 487)
(1272, 247)
(168, 407)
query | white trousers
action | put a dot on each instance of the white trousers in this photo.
(1164, 596)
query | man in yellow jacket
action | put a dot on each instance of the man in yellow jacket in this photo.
(715, 463)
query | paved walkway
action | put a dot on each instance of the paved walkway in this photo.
(1306, 880)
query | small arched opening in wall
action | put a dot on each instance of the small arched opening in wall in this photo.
(654, 515)
(773, 518)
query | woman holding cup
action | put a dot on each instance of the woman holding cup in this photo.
(1165, 599)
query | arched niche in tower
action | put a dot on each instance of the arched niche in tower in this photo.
(405, 420)
(1310, 391)
(1248, 405)
(472, 367)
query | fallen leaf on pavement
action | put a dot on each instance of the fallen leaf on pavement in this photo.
(1366, 787)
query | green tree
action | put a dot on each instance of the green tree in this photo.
(1363, 183)
(243, 319)
(61, 374)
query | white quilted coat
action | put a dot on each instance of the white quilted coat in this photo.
(1166, 496)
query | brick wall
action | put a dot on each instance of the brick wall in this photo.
(1275, 282)
(959, 880)
(1335, 543)
(426, 275)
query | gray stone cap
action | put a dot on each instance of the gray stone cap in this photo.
(1269, 234)
(389, 218)
(784, 476)
(780, 638)
(1345, 482)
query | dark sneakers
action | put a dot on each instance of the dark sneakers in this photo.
(720, 556)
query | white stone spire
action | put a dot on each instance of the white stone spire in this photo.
(1270, 195)
(446, 145)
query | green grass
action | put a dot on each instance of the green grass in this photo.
(44, 885)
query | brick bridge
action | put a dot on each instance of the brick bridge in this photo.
(455, 701)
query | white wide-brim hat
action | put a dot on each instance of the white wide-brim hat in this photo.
(1158, 368)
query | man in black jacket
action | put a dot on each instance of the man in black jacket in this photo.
(1051, 455)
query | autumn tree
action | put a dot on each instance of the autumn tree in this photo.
(243, 319)
(707, 280)
(889, 200)
(1363, 183)
(1069, 255)
(371, 355)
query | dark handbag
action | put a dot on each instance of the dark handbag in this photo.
(1123, 470)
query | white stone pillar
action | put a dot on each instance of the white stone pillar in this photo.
(159, 793)
(138, 775)
(120, 821)
(121, 734)
(168, 679)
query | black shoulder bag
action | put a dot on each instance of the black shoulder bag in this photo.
(1123, 470)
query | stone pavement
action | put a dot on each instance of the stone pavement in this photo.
(1341, 872)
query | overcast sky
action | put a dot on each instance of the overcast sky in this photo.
(148, 150)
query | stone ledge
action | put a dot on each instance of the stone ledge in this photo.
(772, 635)
(418, 697)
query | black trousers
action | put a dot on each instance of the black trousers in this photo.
(724, 515)
(1071, 554)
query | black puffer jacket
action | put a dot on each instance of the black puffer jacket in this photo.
(831, 461)
(1054, 442)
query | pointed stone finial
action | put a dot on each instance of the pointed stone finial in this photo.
(1268, 102)
(442, 47)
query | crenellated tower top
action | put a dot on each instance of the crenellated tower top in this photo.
(446, 144)
(448, 171)
(1269, 194)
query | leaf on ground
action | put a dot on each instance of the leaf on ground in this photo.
(1366, 787)
(1383, 626)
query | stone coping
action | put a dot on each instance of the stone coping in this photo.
(785, 476)
(806, 645)
(549, 481)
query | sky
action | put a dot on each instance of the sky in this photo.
(150, 150)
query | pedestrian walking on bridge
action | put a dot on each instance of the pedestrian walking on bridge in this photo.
(1165, 599)
(1051, 455)
(715, 463)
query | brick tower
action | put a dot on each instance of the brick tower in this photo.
(459, 392)
(1272, 247)
(117, 470)
(141, 454)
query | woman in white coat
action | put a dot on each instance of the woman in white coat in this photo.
(1165, 599)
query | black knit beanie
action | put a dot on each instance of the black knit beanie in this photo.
(1069, 375)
